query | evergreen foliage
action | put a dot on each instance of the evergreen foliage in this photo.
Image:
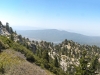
(85, 68)
(20, 48)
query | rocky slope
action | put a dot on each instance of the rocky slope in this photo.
(69, 53)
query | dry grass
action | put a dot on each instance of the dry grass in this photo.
(14, 63)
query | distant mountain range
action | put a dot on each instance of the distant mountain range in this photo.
(57, 36)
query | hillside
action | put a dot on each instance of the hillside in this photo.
(15, 57)
(57, 36)
(19, 56)
(14, 63)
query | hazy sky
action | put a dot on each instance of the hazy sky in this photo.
(81, 16)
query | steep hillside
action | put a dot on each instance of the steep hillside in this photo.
(15, 63)
(16, 54)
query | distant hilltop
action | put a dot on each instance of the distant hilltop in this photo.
(57, 36)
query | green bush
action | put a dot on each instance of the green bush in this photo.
(7, 43)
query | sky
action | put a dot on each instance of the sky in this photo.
(79, 16)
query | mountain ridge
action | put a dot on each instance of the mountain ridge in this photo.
(54, 35)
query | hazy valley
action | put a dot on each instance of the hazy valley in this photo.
(57, 36)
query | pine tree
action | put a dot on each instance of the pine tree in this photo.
(12, 37)
(7, 26)
(45, 55)
(11, 30)
(0, 23)
(93, 65)
(56, 63)
(20, 38)
(83, 68)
